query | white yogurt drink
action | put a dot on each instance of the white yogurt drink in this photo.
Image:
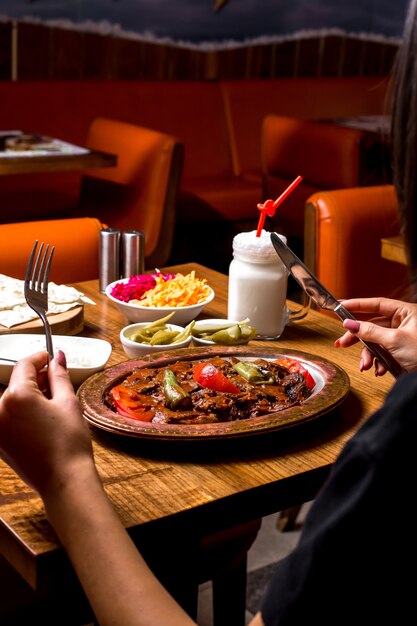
(258, 284)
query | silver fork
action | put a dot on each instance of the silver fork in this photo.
(36, 287)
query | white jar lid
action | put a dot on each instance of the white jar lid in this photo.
(251, 246)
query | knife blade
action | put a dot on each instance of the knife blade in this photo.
(325, 300)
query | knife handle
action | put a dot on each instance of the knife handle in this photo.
(381, 354)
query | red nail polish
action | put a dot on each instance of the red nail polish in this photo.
(61, 358)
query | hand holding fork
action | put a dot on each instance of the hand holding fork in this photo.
(36, 287)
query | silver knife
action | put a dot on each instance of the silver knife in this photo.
(324, 299)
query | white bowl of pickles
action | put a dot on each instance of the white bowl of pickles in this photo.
(222, 332)
(147, 337)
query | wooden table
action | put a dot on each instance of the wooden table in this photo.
(168, 494)
(55, 162)
(379, 124)
(393, 249)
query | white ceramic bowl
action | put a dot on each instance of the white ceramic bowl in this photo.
(85, 355)
(134, 349)
(215, 322)
(136, 313)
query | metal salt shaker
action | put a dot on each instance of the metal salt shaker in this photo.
(109, 257)
(133, 253)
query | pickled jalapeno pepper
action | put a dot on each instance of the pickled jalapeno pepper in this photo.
(225, 332)
(159, 333)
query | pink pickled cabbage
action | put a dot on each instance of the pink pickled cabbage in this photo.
(137, 286)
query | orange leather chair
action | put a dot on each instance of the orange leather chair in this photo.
(342, 241)
(76, 244)
(141, 192)
(326, 155)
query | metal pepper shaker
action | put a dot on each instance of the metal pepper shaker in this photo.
(133, 253)
(109, 257)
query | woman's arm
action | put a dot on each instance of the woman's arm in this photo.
(118, 583)
(47, 442)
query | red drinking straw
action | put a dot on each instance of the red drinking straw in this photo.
(270, 206)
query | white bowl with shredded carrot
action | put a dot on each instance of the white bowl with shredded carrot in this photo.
(146, 297)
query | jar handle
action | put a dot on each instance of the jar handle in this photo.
(298, 314)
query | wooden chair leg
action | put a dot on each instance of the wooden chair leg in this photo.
(229, 596)
(287, 518)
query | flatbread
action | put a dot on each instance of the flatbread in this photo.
(13, 307)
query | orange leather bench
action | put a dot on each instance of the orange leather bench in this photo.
(327, 156)
(219, 123)
(76, 244)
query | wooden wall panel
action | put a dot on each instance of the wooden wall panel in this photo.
(261, 61)
(331, 52)
(129, 59)
(308, 57)
(285, 59)
(66, 59)
(98, 58)
(388, 53)
(377, 58)
(227, 63)
(46, 52)
(353, 58)
(5, 50)
(34, 56)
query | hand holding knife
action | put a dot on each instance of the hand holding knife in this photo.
(325, 300)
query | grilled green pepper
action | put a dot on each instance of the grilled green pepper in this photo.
(253, 374)
(175, 396)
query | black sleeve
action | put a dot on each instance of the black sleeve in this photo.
(349, 566)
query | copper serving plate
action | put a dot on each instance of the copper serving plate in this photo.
(332, 386)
